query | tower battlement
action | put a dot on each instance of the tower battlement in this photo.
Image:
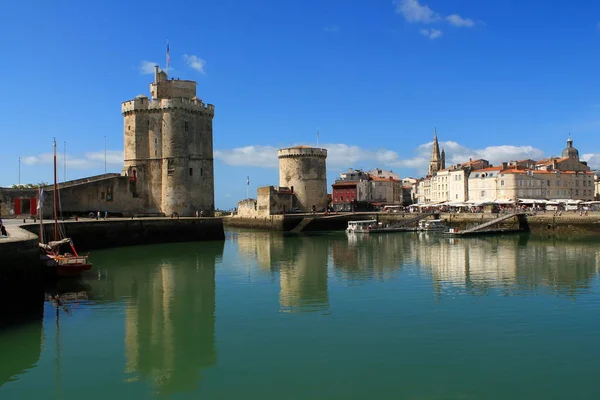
(302, 151)
(144, 104)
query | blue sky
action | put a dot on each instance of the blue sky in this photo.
(501, 80)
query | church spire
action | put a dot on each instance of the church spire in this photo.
(435, 163)
(435, 150)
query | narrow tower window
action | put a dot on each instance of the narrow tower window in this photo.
(191, 172)
(186, 126)
(200, 171)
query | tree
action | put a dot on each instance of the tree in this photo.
(30, 185)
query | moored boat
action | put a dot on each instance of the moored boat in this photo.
(67, 263)
(432, 225)
(372, 226)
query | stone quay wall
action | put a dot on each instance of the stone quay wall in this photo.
(288, 222)
(101, 234)
(541, 223)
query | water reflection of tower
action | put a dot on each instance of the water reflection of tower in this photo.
(266, 247)
(169, 324)
(360, 256)
(303, 278)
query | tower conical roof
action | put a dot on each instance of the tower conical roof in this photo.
(435, 150)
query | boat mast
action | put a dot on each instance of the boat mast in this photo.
(41, 213)
(55, 196)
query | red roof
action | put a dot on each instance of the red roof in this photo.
(336, 184)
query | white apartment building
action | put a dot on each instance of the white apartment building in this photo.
(483, 184)
(458, 185)
(510, 184)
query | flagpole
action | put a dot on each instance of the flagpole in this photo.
(65, 163)
(19, 171)
(167, 58)
(247, 186)
(317, 137)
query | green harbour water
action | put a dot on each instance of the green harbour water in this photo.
(264, 315)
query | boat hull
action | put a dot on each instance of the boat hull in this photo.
(382, 230)
(66, 266)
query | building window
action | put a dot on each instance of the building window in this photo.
(482, 193)
(155, 140)
(148, 123)
(502, 183)
(186, 126)
(200, 171)
(191, 172)
(101, 195)
(128, 127)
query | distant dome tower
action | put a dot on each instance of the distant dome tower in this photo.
(303, 169)
(570, 151)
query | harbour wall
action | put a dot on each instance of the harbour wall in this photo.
(288, 222)
(21, 285)
(101, 234)
(570, 223)
(541, 223)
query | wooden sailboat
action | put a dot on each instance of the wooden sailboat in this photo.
(67, 264)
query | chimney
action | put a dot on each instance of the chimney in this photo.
(504, 165)
(554, 166)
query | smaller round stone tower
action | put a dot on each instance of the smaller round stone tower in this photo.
(303, 170)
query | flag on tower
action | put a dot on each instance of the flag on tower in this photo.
(40, 204)
(248, 180)
(168, 53)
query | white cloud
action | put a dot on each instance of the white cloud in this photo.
(251, 156)
(459, 21)
(593, 160)
(347, 156)
(87, 161)
(147, 67)
(431, 33)
(412, 11)
(194, 62)
(332, 28)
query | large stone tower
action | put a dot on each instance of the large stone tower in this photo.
(303, 169)
(169, 148)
